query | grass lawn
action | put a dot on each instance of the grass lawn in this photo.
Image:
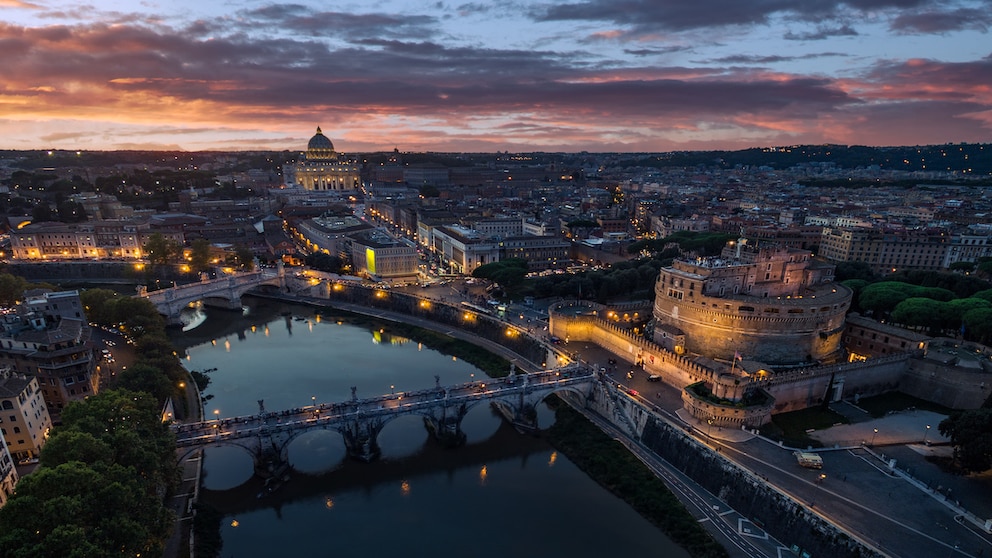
(791, 428)
(880, 405)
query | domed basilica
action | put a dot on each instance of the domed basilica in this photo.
(321, 168)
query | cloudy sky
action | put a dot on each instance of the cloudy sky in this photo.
(527, 75)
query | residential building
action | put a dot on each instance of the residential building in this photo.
(8, 474)
(47, 337)
(24, 420)
(886, 251)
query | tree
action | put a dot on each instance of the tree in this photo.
(977, 324)
(199, 255)
(882, 298)
(854, 270)
(244, 258)
(918, 312)
(161, 250)
(322, 261)
(964, 267)
(971, 435)
(11, 289)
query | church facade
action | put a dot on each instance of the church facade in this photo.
(322, 169)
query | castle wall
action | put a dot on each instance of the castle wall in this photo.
(795, 389)
(790, 331)
(952, 387)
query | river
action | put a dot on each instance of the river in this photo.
(501, 494)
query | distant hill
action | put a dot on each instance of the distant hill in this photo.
(965, 158)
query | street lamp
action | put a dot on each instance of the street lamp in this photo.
(926, 433)
(392, 388)
(873, 437)
(709, 426)
(313, 400)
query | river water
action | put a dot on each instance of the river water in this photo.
(501, 494)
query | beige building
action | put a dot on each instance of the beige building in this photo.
(378, 255)
(761, 303)
(93, 240)
(24, 419)
(48, 338)
(886, 251)
(329, 233)
(8, 474)
(322, 169)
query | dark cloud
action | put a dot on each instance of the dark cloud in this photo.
(769, 59)
(205, 72)
(822, 33)
(973, 78)
(301, 19)
(656, 51)
(925, 22)
(679, 15)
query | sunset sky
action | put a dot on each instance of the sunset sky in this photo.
(596, 75)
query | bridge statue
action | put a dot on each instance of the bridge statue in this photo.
(266, 436)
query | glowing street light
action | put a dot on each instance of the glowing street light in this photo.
(875, 433)
(926, 433)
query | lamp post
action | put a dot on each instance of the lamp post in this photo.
(313, 400)
(926, 433)
(392, 389)
(873, 437)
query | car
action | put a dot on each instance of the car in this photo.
(28, 461)
(654, 378)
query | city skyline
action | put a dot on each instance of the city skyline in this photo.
(518, 76)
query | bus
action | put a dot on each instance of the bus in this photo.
(475, 308)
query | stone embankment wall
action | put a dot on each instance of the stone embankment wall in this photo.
(956, 388)
(794, 389)
(789, 521)
(459, 317)
(118, 272)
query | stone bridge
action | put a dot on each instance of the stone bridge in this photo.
(267, 436)
(224, 291)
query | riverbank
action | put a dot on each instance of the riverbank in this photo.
(602, 459)
(610, 464)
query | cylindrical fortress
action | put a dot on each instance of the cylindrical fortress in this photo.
(776, 307)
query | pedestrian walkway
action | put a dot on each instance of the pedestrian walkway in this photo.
(722, 433)
(904, 427)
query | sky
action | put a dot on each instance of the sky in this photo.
(483, 76)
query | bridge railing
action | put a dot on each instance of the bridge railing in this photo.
(250, 425)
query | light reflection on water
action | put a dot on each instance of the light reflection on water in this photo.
(432, 509)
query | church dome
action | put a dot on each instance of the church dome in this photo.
(320, 141)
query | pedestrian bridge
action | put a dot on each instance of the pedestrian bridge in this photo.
(266, 436)
(224, 291)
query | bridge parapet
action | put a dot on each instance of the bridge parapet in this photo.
(169, 302)
(266, 436)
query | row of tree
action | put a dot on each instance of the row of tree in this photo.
(105, 471)
(161, 251)
(936, 310)
(628, 279)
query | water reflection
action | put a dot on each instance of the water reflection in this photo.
(498, 472)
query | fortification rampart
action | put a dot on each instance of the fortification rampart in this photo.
(779, 331)
(953, 387)
(792, 389)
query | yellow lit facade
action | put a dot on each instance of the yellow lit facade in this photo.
(322, 168)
